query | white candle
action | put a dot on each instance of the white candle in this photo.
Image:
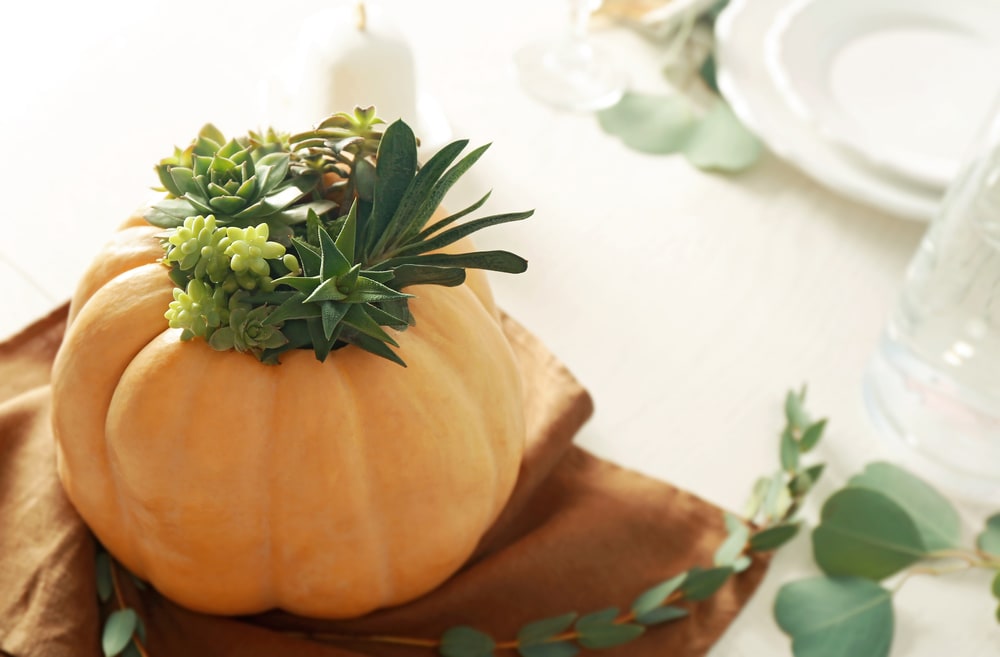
(352, 55)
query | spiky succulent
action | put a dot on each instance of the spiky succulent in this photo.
(242, 182)
(345, 287)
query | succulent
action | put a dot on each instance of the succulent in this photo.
(241, 182)
(198, 310)
(346, 285)
(248, 329)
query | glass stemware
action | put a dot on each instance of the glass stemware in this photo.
(569, 72)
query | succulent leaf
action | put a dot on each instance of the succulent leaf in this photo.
(237, 205)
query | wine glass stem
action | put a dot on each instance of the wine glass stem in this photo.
(579, 16)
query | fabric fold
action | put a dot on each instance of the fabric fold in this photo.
(578, 534)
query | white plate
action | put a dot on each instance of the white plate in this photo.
(900, 83)
(750, 90)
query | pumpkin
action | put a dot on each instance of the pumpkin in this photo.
(328, 489)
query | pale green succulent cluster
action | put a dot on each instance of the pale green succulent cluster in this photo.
(216, 267)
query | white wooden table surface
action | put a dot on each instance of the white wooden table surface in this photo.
(687, 303)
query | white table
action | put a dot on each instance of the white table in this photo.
(687, 303)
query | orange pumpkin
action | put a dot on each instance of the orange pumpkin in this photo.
(326, 489)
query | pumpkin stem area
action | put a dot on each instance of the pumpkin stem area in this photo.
(276, 241)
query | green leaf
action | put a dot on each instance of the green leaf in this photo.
(815, 472)
(374, 346)
(996, 586)
(661, 615)
(936, 519)
(332, 261)
(811, 436)
(756, 499)
(105, 582)
(773, 537)
(742, 564)
(655, 596)
(406, 275)
(556, 649)
(732, 548)
(989, 539)
(703, 583)
(655, 124)
(294, 308)
(348, 233)
(501, 261)
(776, 499)
(795, 413)
(546, 628)
(330, 314)
(395, 167)
(452, 218)
(440, 190)
(533, 637)
(118, 630)
(309, 256)
(864, 533)
(466, 641)
(599, 630)
(359, 320)
(453, 235)
(721, 143)
(169, 213)
(408, 206)
(836, 617)
(789, 451)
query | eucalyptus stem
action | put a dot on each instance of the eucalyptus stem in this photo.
(120, 600)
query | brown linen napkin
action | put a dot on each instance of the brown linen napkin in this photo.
(579, 534)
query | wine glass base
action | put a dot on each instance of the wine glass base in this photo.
(570, 74)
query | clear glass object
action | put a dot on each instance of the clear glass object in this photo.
(569, 72)
(933, 384)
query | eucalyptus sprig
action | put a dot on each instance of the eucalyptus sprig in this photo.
(886, 522)
(350, 198)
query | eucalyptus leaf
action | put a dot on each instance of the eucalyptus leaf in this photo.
(936, 519)
(703, 583)
(545, 629)
(815, 472)
(773, 537)
(655, 124)
(599, 630)
(655, 596)
(466, 641)
(105, 582)
(661, 615)
(795, 413)
(789, 451)
(118, 630)
(995, 588)
(864, 533)
(773, 502)
(989, 539)
(756, 499)
(732, 548)
(812, 435)
(836, 617)
(721, 143)
(733, 522)
(742, 564)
